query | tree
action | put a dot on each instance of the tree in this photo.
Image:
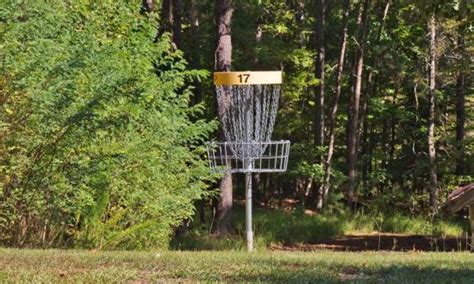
(333, 114)
(177, 22)
(223, 61)
(171, 14)
(147, 5)
(431, 115)
(461, 94)
(194, 55)
(355, 102)
(371, 83)
(320, 62)
(166, 17)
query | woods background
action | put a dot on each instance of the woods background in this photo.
(106, 106)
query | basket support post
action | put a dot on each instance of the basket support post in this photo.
(248, 208)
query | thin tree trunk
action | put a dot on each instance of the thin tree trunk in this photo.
(460, 122)
(355, 107)
(166, 18)
(332, 119)
(258, 39)
(370, 88)
(320, 61)
(194, 53)
(363, 134)
(364, 109)
(431, 117)
(177, 22)
(222, 223)
(202, 210)
(460, 98)
(300, 18)
(371, 79)
(147, 5)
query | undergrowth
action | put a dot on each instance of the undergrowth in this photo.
(277, 227)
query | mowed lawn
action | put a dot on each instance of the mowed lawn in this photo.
(174, 266)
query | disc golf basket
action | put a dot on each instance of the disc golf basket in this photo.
(248, 103)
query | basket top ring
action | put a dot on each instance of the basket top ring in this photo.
(248, 78)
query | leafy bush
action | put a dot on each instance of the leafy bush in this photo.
(97, 143)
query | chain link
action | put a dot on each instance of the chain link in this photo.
(247, 114)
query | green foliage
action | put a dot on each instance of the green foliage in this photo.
(303, 162)
(98, 147)
(392, 152)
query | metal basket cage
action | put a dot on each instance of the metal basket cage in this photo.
(249, 157)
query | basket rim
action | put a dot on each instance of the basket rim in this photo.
(248, 78)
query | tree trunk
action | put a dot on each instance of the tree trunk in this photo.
(223, 61)
(258, 39)
(371, 78)
(431, 117)
(223, 54)
(300, 11)
(369, 90)
(460, 122)
(363, 133)
(332, 119)
(195, 54)
(166, 18)
(460, 97)
(147, 6)
(355, 106)
(177, 22)
(320, 61)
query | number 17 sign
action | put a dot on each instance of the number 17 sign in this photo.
(248, 78)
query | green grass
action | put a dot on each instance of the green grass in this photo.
(48, 266)
(277, 227)
(402, 224)
(270, 227)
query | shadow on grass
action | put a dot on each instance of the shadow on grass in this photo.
(295, 230)
(270, 227)
(320, 272)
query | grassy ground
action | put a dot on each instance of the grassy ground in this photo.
(326, 266)
(278, 227)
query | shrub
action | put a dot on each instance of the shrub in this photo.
(98, 147)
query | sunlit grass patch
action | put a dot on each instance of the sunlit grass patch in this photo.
(233, 266)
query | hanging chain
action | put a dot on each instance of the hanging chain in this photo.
(247, 114)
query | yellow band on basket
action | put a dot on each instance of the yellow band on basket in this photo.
(248, 78)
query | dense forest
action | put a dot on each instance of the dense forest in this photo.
(106, 107)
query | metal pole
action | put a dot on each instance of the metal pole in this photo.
(248, 211)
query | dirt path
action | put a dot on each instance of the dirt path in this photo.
(388, 242)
